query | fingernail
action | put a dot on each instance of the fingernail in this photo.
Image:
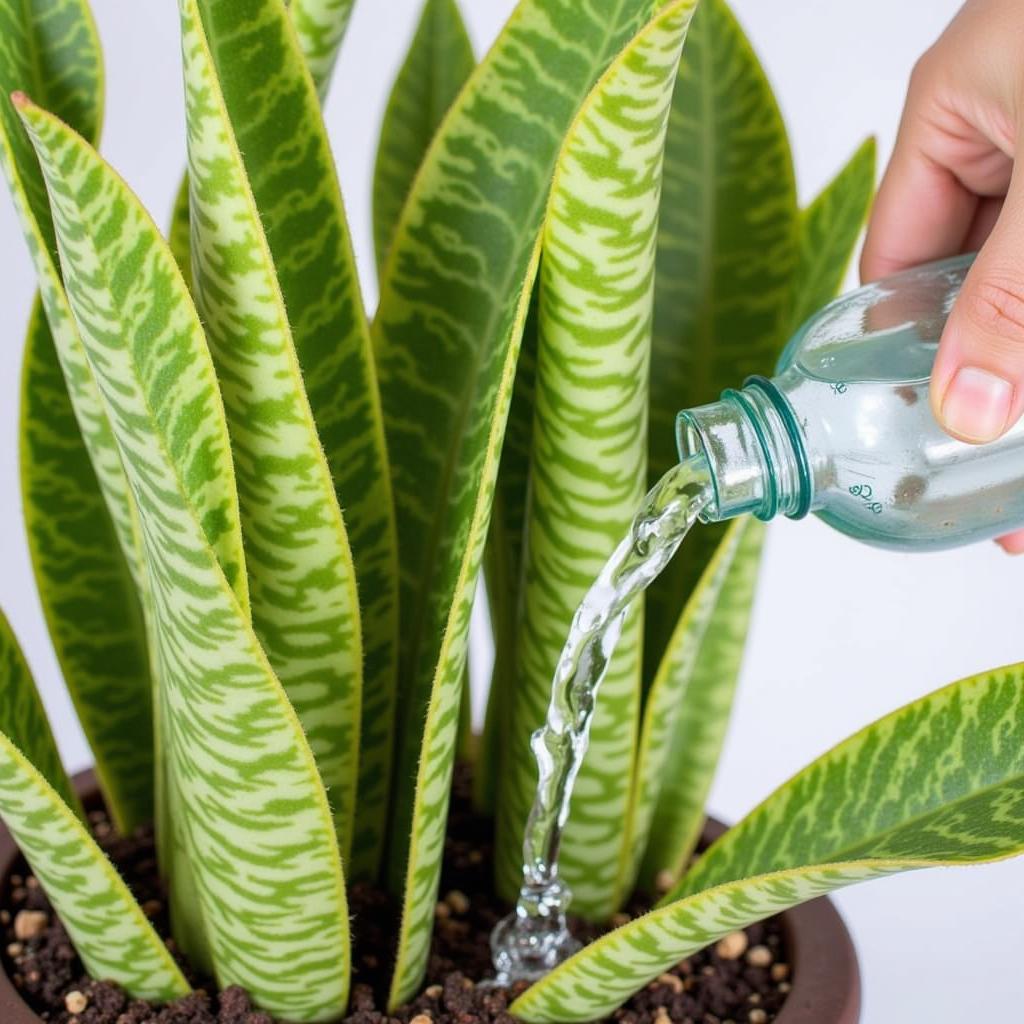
(977, 405)
(1012, 543)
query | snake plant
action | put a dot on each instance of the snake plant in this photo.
(257, 516)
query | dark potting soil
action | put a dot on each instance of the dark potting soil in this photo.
(742, 980)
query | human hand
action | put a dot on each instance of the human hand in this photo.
(952, 186)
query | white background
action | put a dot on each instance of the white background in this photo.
(842, 633)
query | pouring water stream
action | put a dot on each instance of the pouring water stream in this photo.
(535, 938)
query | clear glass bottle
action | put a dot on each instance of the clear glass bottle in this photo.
(845, 430)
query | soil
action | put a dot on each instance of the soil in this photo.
(742, 980)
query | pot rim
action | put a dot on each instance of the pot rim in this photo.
(825, 974)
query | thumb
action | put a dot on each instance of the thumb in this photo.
(977, 385)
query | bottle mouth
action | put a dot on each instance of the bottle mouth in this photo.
(755, 450)
(690, 444)
(726, 436)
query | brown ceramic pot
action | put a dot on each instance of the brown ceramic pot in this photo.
(826, 980)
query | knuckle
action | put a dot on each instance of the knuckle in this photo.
(995, 308)
(922, 73)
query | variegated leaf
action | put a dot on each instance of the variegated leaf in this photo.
(689, 707)
(23, 718)
(205, 486)
(254, 813)
(593, 983)
(830, 227)
(275, 114)
(106, 925)
(503, 563)
(453, 302)
(18, 72)
(727, 260)
(88, 596)
(302, 586)
(178, 873)
(53, 47)
(84, 550)
(938, 782)
(320, 27)
(440, 735)
(588, 464)
(437, 65)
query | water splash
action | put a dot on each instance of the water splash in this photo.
(535, 938)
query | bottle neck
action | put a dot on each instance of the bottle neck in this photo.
(755, 451)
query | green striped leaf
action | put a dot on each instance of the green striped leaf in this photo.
(689, 707)
(61, 58)
(194, 427)
(188, 920)
(320, 29)
(96, 664)
(305, 608)
(437, 65)
(282, 135)
(440, 738)
(275, 114)
(938, 782)
(206, 487)
(18, 71)
(89, 599)
(106, 925)
(254, 813)
(453, 301)
(727, 260)
(78, 542)
(23, 718)
(176, 871)
(503, 563)
(830, 227)
(593, 983)
(588, 464)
